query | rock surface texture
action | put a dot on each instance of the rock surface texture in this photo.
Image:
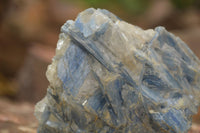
(109, 76)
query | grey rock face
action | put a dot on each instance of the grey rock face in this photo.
(112, 77)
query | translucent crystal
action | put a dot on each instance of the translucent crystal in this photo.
(110, 76)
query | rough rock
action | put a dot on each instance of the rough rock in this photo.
(110, 76)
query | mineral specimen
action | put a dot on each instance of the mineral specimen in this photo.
(109, 76)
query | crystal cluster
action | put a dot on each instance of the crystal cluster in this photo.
(109, 76)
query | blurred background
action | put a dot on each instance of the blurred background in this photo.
(29, 32)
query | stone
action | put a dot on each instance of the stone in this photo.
(109, 76)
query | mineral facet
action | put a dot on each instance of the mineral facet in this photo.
(109, 76)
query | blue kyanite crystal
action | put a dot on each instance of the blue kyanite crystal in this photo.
(109, 76)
